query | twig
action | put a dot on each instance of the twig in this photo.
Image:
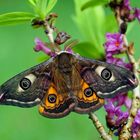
(126, 130)
(49, 31)
(99, 127)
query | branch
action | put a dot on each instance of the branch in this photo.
(49, 29)
(125, 133)
(49, 32)
(99, 127)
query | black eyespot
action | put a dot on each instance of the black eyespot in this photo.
(88, 92)
(106, 74)
(25, 83)
(52, 98)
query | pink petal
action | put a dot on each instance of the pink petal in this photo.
(40, 46)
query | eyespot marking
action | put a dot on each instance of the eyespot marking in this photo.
(88, 92)
(26, 82)
(52, 98)
(31, 77)
(105, 73)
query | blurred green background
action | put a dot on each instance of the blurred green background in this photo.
(16, 55)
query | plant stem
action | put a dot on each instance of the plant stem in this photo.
(99, 127)
(50, 32)
(125, 133)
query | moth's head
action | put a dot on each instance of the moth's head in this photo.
(64, 57)
(64, 62)
(113, 80)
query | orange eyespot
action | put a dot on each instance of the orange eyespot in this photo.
(87, 94)
(52, 98)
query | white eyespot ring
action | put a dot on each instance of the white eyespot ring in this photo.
(26, 83)
(105, 73)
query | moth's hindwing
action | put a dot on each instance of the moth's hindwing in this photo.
(87, 100)
(56, 105)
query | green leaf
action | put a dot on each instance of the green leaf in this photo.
(91, 24)
(32, 2)
(39, 7)
(88, 49)
(15, 18)
(42, 7)
(50, 5)
(42, 4)
(110, 24)
(93, 3)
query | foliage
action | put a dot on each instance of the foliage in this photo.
(94, 3)
(15, 18)
(93, 24)
(41, 9)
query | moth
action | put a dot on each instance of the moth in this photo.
(66, 83)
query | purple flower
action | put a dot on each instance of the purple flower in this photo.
(118, 61)
(137, 13)
(126, 4)
(69, 50)
(133, 12)
(114, 43)
(127, 12)
(119, 100)
(136, 126)
(40, 46)
(115, 114)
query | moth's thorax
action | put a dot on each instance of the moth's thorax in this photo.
(64, 62)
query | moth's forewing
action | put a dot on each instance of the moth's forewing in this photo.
(121, 79)
(27, 88)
